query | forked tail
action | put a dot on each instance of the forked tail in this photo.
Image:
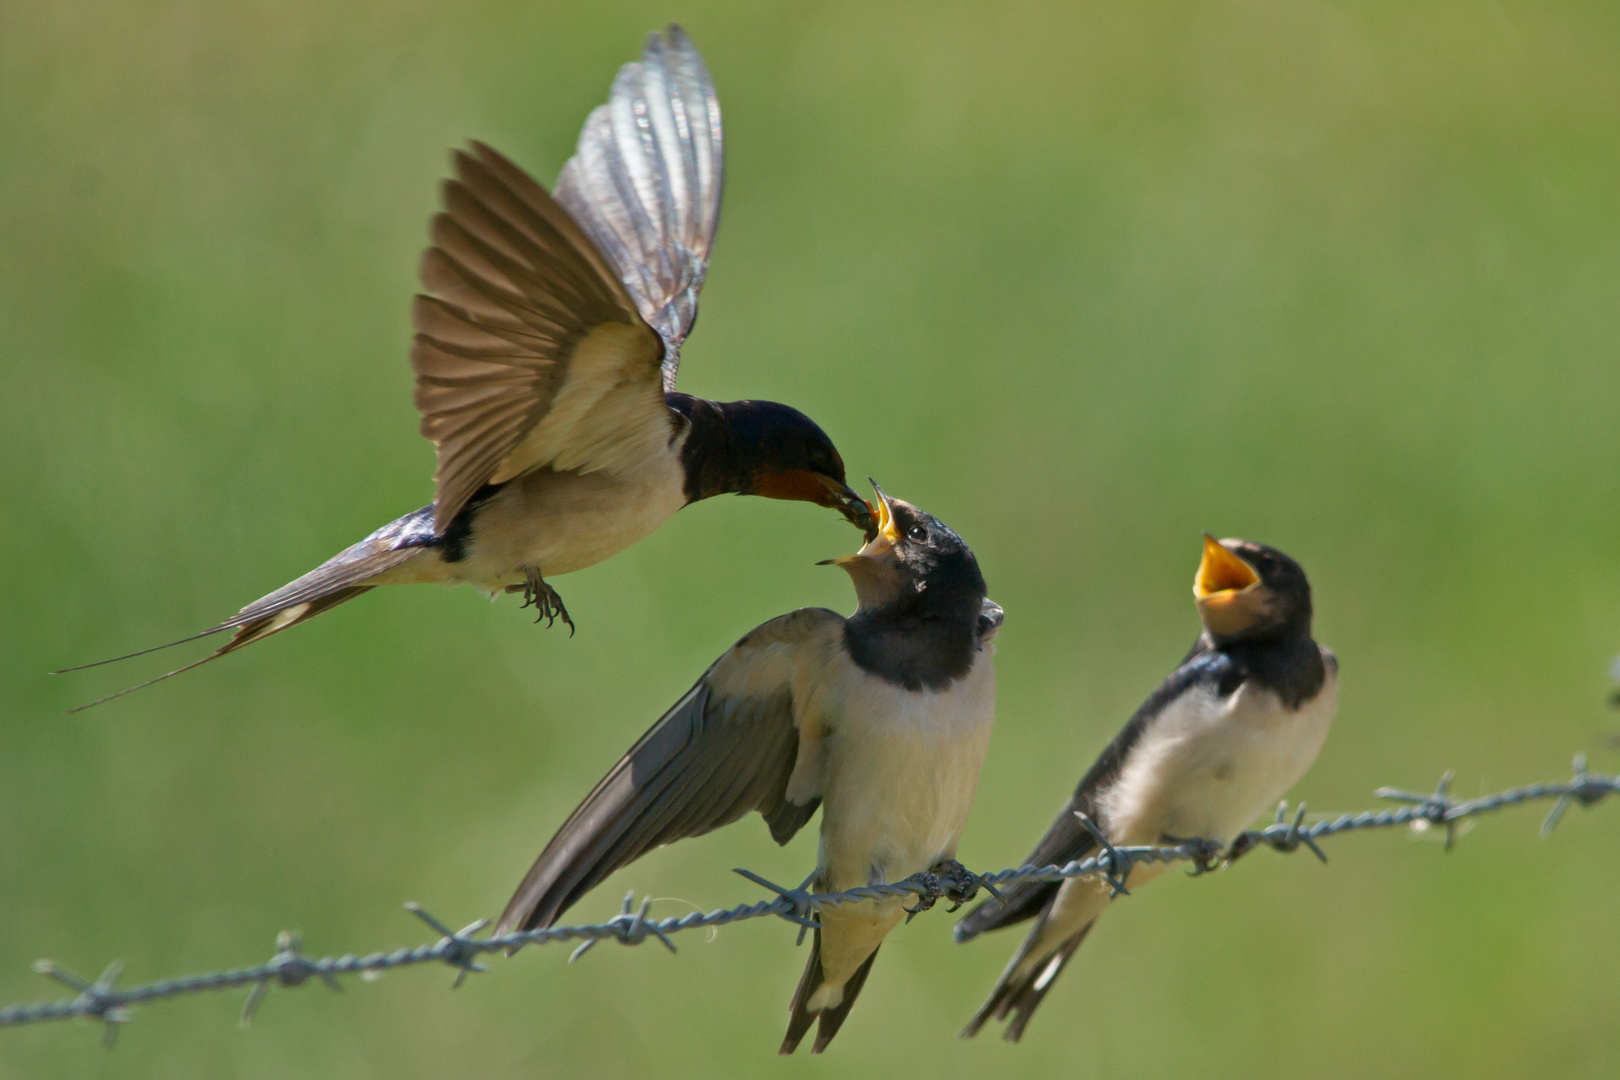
(832, 1016)
(1023, 986)
(338, 579)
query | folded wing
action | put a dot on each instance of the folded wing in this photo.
(729, 746)
(1067, 840)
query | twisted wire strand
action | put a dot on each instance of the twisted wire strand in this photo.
(100, 999)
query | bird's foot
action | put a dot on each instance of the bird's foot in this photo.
(543, 598)
(947, 880)
(960, 884)
(1245, 843)
(1204, 856)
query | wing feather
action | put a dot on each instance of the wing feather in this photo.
(1066, 839)
(726, 748)
(645, 183)
(518, 280)
(514, 289)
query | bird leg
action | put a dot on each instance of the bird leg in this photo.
(946, 880)
(543, 598)
(1207, 857)
(1245, 843)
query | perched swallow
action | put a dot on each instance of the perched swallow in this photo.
(546, 349)
(881, 719)
(1220, 740)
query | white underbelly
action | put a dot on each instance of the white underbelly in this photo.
(1209, 766)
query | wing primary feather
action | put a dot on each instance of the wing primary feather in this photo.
(713, 757)
(514, 285)
(645, 183)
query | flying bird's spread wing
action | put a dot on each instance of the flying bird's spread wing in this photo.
(525, 330)
(547, 321)
(644, 184)
(735, 742)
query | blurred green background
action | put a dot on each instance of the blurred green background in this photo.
(1084, 279)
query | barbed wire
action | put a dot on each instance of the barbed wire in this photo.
(102, 1001)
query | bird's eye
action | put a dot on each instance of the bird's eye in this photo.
(917, 533)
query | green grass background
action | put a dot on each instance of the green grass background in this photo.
(1084, 279)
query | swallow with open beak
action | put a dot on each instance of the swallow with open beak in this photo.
(1232, 729)
(547, 343)
(880, 719)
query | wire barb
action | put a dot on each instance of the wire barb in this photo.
(1436, 808)
(98, 999)
(1585, 789)
(1118, 863)
(456, 947)
(1287, 836)
(290, 968)
(799, 901)
(630, 927)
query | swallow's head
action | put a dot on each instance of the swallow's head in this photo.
(788, 456)
(1247, 591)
(913, 557)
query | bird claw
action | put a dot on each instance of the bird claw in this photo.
(928, 897)
(546, 601)
(950, 881)
(1205, 855)
(1245, 843)
(962, 885)
(1282, 835)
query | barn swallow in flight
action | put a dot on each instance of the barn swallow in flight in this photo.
(546, 348)
(1232, 729)
(881, 719)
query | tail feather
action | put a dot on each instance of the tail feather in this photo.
(338, 579)
(245, 635)
(1024, 900)
(801, 1017)
(344, 570)
(1020, 990)
(210, 632)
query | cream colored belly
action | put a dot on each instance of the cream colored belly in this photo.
(901, 769)
(899, 773)
(561, 522)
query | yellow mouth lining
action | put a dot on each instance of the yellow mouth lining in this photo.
(885, 517)
(1221, 571)
(888, 535)
(885, 521)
